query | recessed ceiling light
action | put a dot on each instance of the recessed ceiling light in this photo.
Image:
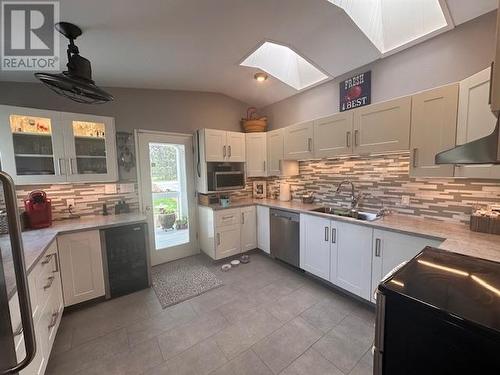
(285, 64)
(260, 77)
(392, 25)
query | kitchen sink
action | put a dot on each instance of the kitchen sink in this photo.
(358, 215)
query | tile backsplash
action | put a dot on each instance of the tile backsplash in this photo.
(384, 180)
(89, 198)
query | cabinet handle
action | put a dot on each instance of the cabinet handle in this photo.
(56, 261)
(53, 322)
(377, 247)
(279, 165)
(218, 239)
(227, 217)
(334, 235)
(264, 165)
(224, 151)
(491, 82)
(229, 150)
(356, 136)
(309, 144)
(47, 259)
(415, 165)
(242, 218)
(327, 231)
(49, 284)
(348, 139)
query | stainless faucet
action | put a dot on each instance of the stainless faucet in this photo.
(354, 198)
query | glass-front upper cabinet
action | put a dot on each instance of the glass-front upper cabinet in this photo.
(31, 145)
(91, 148)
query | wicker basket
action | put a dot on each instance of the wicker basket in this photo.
(254, 126)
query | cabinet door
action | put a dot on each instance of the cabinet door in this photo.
(227, 241)
(495, 86)
(248, 228)
(383, 127)
(433, 129)
(81, 266)
(315, 245)
(275, 152)
(333, 135)
(351, 260)
(298, 141)
(475, 120)
(215, 145)
(32, 145)
(90, 144)
(263, 229)
(256, 154)
(235, 146)
(390, 249)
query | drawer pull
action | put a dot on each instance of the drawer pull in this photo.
(19, 330)
(48, 258)
(49, 284)
(218, 239)
(334, 235)
(227, 217)
(378, 247)
(53, 322)
(327, 231)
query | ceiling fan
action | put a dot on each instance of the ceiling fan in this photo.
(75, 83)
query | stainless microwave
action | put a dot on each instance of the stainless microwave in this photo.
(228, 180)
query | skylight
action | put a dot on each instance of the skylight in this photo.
(391, 24)
(286, 65)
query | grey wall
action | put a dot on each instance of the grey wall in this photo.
(447, 58)
(166, 110)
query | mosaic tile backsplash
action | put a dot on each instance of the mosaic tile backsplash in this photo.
(89, 198)
(383, 180)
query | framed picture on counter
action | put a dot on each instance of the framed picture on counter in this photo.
(259, 189)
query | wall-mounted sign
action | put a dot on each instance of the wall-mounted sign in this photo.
(356, 91)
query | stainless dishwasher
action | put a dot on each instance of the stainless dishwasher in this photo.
(285, 237)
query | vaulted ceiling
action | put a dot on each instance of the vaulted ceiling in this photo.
(199, 44)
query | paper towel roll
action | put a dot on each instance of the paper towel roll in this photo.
(285, 195)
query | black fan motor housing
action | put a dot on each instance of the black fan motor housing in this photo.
(79, 66)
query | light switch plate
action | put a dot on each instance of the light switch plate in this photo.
(110, 189)
(405, 200)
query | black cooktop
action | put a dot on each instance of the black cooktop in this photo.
(464, 286)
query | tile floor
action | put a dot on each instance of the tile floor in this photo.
(266, 319)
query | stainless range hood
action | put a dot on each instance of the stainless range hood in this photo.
(484, 150)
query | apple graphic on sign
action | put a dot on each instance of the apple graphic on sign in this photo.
(354, 92)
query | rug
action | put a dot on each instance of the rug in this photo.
(180, 280)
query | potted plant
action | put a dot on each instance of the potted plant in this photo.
(166, 218)
(181, 223)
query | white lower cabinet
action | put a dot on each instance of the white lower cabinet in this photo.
(248, 228)
(81, 266)
(351, 258)
(228, 241)
(315, 245)
(263, 229)
(390, 249)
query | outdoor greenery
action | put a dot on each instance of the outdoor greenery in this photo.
(163, 162)
(168, 204)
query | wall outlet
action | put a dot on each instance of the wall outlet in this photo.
(70, 202)
(405, 200)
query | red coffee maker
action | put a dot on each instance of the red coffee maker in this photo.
(38, 210)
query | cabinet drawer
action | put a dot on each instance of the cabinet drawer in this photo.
(227, 217)
(48, 268)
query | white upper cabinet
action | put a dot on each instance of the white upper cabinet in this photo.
(235, 146)
(333, 135)
(383, 127)
(475, 120)
(276, 163)
(433, 129)
(90, 147)
(256, 154)
(215, 145)
(495, 87)
(39, 146)
(299, 141)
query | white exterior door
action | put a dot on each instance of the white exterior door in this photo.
(248, 228)
(298, 142)
(256, 154)
(215, 145)
(475, 120)
(263, 229)
(235, 146)
(90, 146)
(315, 245)
(351, 260)
(81, 266)
(333, 135)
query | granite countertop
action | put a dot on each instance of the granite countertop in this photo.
(456, 237)
(36, 242)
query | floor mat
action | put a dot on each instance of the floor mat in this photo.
(181, 280)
